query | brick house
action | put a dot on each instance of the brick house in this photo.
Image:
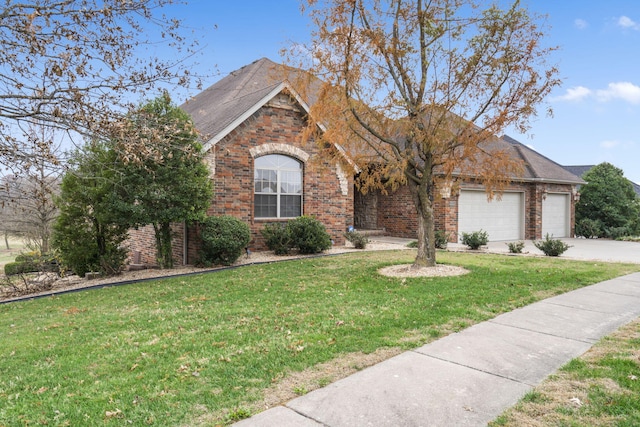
(251, 124)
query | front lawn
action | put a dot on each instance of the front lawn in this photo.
(201, 350)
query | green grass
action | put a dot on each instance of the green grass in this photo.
(602, 387)
(205, 347)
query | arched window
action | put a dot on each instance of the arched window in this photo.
(277, 187)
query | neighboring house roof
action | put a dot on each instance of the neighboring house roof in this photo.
(580, 170)
(539, 167)
(222, 107)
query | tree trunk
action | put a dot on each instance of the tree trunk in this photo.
(164, 253)
(6, 240)
(426, 256)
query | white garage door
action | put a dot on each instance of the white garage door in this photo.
(555, 215)
(501, 219)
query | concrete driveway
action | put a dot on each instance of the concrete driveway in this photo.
(581, 249)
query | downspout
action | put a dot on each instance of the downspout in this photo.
(185, 244)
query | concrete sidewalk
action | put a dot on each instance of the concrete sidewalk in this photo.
(468, 378)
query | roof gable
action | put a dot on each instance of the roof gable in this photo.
(222, 107)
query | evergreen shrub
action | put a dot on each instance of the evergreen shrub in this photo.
(224, 238)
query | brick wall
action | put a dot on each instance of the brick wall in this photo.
(397, 213)
(142, 245)
(365, 216)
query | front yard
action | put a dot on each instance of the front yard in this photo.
(213, 348)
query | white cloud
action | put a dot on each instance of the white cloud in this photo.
(580, 24)
(577, 93)
(625, 91)
(626, 22)
(609, 144)
(620, 90)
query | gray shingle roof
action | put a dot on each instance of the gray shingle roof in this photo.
(220, 105)
(578, 170)
(539, 167)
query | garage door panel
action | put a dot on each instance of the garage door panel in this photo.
(501, 219)
(555, 215)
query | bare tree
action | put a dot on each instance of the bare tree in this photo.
(27, 194)
(417, 89)
(8, 213)
(76, 65)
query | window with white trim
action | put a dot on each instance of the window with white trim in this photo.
(277, 187)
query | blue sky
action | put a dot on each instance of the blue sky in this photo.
(596, 110)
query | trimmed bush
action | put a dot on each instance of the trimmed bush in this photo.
(33, 262)
(13, 268)
(304, 233)
(588, 228)
(224, 238)
(309, 235)
(475, 239)
(359, 240)
(551, 246)
(516, 247)
(277, 238)
(441, 239)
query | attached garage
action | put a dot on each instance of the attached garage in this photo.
(556, 215)
(502, 219)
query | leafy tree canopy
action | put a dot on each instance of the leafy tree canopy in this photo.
(170, 183)
(608, 198)
(89, 231)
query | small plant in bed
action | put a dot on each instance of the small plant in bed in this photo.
(516, 247)
(551, 246)
(441, 238)
(475, 239)
(358, 239)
